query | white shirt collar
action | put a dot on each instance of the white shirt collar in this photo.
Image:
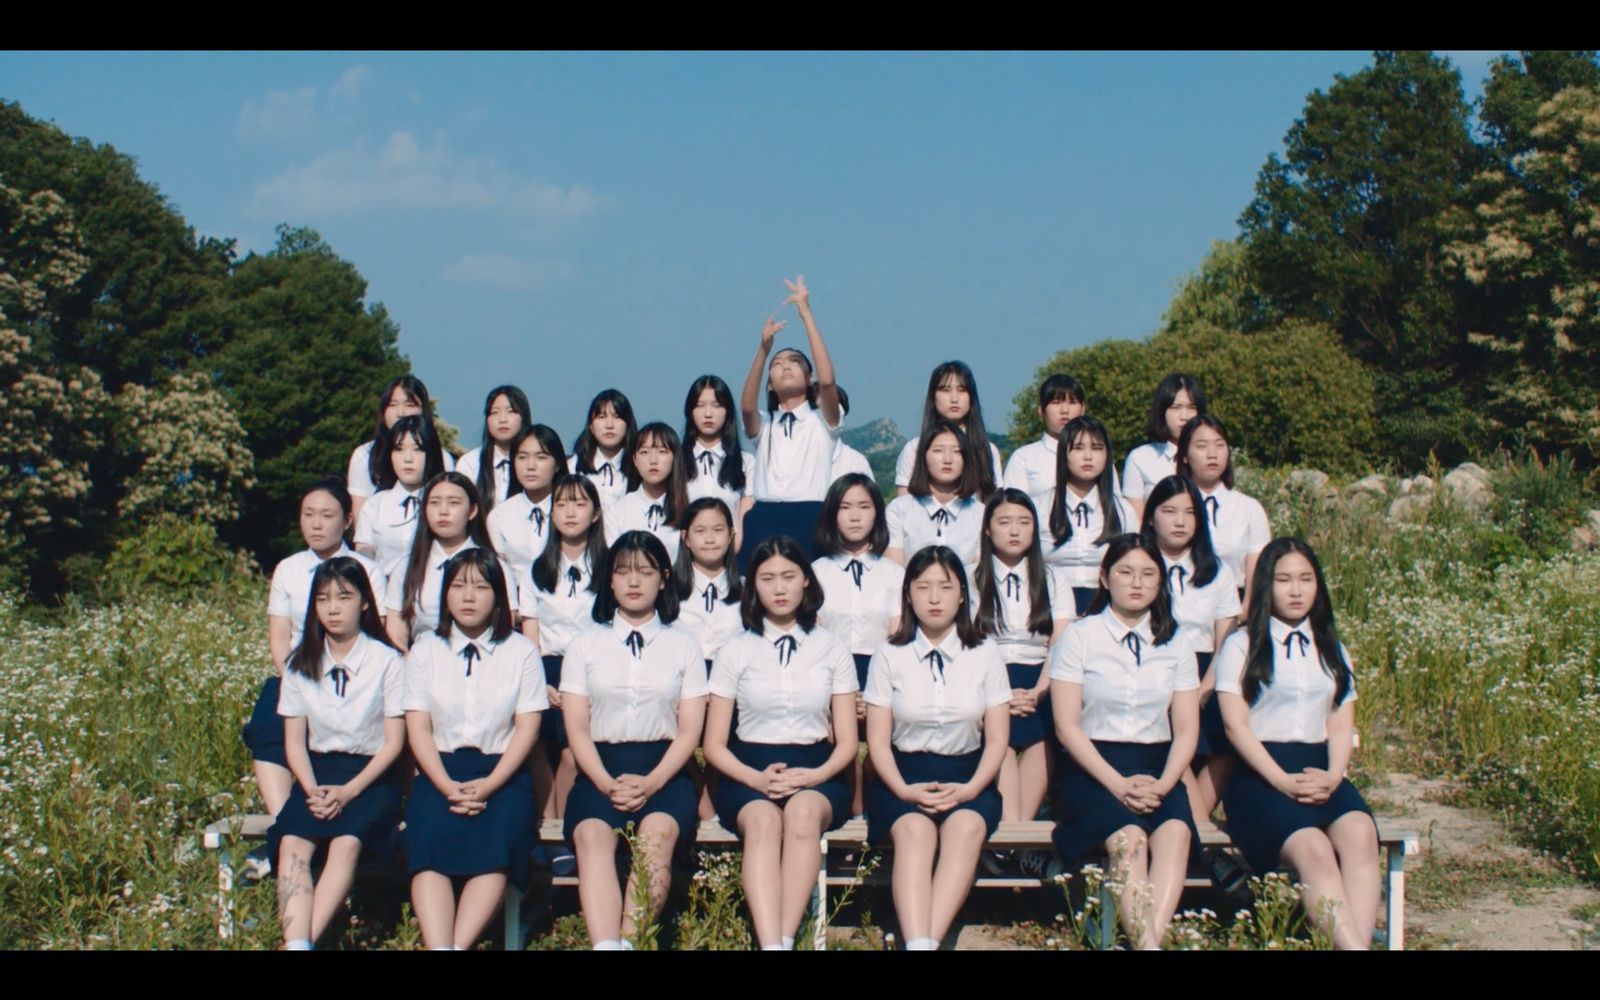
(485, 641)
(701, 581)
(1049, 443)
(950, 647)
(716, 449)
(1119, 631)
(649, 629)
(1281, 630)
(1001, 570)
(773, 633)
(352, 660)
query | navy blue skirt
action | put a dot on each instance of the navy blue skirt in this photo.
(863, 664)
(884, 807)
(1082, 597)
(729, 795)
(371, 817)
(497, 839)
(263, 734)
(677, 798)
(797, 519)
(553, 725)
(1261, 818)
(1087, 814)
(1213, 734)
(1027, 730)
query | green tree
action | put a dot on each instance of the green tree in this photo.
(1346, 229)
(1517, 87)
(1221, 294)
(188, 451)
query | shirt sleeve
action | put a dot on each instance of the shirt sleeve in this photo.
(377, 579)
(1228, 605)
(278, 597)
(1066, 660)
(1062, 603)
(394, 685)
(513, 590)
(1229, 664)
(748, 462)
(695, 682)
(880, 686)
(531, 696)
(449, 461)
(468, 465)
(496, 523)
(527, 595)
(291, 700)
(1349, 695)
(996, 682)
(1188, 678)
(1016, 475)
(844, 670)
(1258, 532)
(903, 463)
(725, 672)
(1133, 485)
(417, 672)
(575, 667)
(895, 517)
(394, 593)
(358, 479)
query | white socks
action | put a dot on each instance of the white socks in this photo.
(298, 944)
(922, 944)
(607, 946)
(788, 943)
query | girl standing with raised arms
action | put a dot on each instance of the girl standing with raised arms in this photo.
(794, 435)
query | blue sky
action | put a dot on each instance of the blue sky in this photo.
(569, 222)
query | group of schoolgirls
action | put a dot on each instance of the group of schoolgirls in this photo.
(532, 633)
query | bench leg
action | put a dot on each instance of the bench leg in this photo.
(1395, 901)
(224, 895)
(513, 918)
(819, 901)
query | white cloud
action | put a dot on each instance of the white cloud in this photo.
(404, 175)
(278, 115)
(496, 270)
(351, 83)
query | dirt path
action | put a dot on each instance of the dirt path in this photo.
(1473, 887)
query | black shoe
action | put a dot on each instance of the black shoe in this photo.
(1227, 873)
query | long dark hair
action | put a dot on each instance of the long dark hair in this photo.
(1201, 551)
(943, 556)
(519, 402)
(675, 495)
(829, 541)
(546, 569)
(1259, 659)
(971, 424)
(1194, 424)
(751, 611)
(1155, 425)
(731, 475)
(1060, 520)
(991, 608)
(1163, 626)
(972, 483)
(549, 440)
(585, 445)
(634, 545)
(683, 569)
(411, 386)
(488, 566)
(419, 430)
(307, 657)
(811, 383)
(422, 541)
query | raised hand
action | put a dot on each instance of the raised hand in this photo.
(769, 330)
(798, 293)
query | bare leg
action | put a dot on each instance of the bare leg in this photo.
(657, 836)
(1010, 784)
(1197, 798)
(1169, 863)
(803, 819)
(1034, 771)
(337, 875)
(566, 775)
(1355, 840)
(544, 782)
(599, 894)
(1311, 854)
(480, 898)
(434, 900)
(1213, 781)
(274, 783)
(1129, 848)
(761, 828)
(960, 839)
(295, 891)
(915, 841)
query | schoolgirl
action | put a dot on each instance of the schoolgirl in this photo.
(324, 518)
(1205, 604)
(945, 503)
(782, 774)
(404, 396)
(451, 521)
(387, 523)
(861, 588)
(794, 435)
(519, 526)
(344, 729)
(633, 691)
(658, 491)
(505, 413)
(714, 464)
(1018, 607)
(938, 719)
(1177, 399)
(1085, 510)
(557, 603)
(1239, 526)
(1127, 714)
(706, 577)
(1288, 700)
(1032, 467)
(606, 440)
(474, 692)
(953, 398)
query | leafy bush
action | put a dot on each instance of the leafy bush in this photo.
(176, 556)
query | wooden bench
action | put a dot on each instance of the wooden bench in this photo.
(1396, 842)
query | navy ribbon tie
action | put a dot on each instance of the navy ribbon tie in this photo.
(710, 594)
(537, 517)
(1013, 586)
(936, 662)
(1180, 572)
(469, 654)
(1288, 640)
(573, 576)
(1080, 514)
(340, 678)
(787, 422)
(605, 467)
(786, 644)
(855, 568)
(1131, 640)
(408, 507)
(708, 462)
(443, 565)
(1212, 505)
(504, 463)
(655, 515)
(635, 644)
(940, 518)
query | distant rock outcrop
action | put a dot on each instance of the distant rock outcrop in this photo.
(880, 435)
